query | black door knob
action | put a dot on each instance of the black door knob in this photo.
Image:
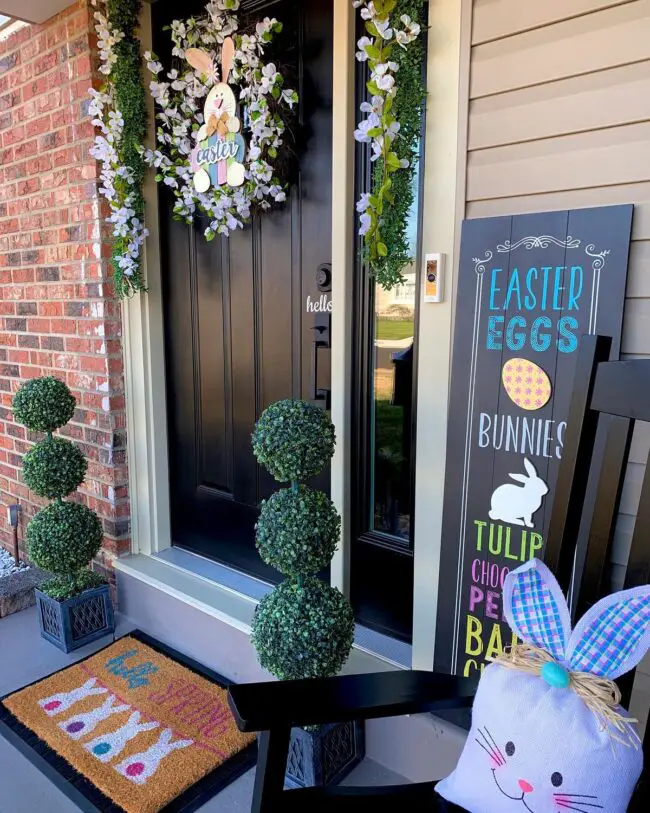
(324, 277)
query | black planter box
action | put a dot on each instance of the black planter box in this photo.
(77, 621)
(325, 756)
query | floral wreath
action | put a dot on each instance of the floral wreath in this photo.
(226, 191)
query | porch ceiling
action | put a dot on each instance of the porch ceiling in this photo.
(33, 11)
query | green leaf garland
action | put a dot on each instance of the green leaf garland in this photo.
(395, 53)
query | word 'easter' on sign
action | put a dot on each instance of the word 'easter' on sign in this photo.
(553, 289)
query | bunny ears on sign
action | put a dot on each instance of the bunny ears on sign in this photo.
(202, 62)
(608, 641)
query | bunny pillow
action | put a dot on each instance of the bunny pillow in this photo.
(547, 735)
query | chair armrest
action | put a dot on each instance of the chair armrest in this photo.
(316, 701)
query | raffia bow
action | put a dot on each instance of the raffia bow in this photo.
(600, 695)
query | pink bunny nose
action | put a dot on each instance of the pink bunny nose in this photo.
(526, 786)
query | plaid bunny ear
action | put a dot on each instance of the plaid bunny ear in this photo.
(536, 609)
(613, 636)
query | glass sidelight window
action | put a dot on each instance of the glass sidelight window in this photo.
(384, 419)
(392, 394)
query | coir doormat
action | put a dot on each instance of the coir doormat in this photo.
(135, 727)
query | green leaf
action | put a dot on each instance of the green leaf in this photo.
(372, 87)
(382, 249)
(373, 51)
(393, 161)
(373, 132)
(372, 29)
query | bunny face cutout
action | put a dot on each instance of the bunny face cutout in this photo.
(217, 157)
(537, 747)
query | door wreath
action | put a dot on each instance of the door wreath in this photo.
(220, 119)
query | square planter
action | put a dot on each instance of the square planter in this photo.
(325, 756)
(77, 621)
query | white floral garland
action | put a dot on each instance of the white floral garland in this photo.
(179, 115)
(118, 186)
(379, 127)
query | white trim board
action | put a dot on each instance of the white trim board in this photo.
(227, 605)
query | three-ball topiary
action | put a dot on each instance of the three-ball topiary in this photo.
(64, 536)
(305, 627)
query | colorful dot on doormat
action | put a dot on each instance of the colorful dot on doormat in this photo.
(53, 704)
(135, 769)
(74, 727)
(102, 748)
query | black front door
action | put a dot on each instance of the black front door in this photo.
(239, 312)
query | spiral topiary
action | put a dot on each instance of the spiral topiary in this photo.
(304, 628)
(54, 468)
(44, 404)
(64, 536)
(298, 531)
(294, 440)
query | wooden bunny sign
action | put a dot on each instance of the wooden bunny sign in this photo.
(217, 157)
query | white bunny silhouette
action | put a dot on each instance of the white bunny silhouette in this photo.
(219, 113)
(515, 504)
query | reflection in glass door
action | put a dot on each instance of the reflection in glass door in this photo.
(382, 551)
(394, 350)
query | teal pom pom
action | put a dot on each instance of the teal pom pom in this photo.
(556, 675)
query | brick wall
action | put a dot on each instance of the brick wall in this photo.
(57, 313)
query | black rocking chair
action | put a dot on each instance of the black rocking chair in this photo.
(612, 393)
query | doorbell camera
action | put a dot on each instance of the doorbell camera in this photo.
(433, 277)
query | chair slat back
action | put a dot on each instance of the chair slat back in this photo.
(610, 396)
(593, 585)
(573, 476)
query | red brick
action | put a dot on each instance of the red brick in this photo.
(56, 311)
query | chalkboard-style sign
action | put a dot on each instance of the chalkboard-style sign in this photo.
(529, 287)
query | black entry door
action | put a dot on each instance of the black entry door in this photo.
(239, 312)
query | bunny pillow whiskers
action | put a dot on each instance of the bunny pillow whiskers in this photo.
(221, 116)
(547, 732)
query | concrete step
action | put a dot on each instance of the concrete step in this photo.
(418, 747)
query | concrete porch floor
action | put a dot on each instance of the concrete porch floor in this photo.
(26, 657)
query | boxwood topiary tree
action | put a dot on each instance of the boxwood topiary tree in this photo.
(64, 536)
(304, 628)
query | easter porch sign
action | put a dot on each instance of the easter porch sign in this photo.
(529, 287)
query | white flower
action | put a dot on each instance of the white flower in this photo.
(385, 82)
(361, 133)
(375, 105)
(362, 54)
(384, 29)
(364, 202)
(366, 222)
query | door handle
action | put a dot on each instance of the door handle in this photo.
(321, 341)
